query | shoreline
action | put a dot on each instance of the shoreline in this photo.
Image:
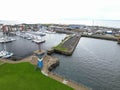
(67, 45)
(59, 78)
(33, 60)
(100, 37)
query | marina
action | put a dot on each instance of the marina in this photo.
(23, 47)
(87, 65)
(60, 45)
(6, 39)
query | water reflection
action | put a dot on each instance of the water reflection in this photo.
(95, 63)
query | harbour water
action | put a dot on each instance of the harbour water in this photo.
(23, 47)
(94, 63)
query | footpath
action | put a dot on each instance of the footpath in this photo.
(48, 61)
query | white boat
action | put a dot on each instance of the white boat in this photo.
(29, 38)
(39, 33)
(50, 32)
(38, 40)
(5, 54)
(2, 53)
(6, 39)
(8, 54)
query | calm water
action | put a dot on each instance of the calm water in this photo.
(23, 47)
(95, 63)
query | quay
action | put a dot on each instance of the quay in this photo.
(68, 45)
(100, 37)
(49, 63)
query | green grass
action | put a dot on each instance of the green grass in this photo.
(60, 48)
(0, 62)
(23, 76)
(117, 36)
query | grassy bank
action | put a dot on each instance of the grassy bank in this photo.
(68, 44)
(23, 76)
(60, 48)
(0, 62)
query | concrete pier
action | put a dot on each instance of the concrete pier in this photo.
(50, 51)
(68, 45)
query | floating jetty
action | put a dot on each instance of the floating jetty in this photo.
(68, 44)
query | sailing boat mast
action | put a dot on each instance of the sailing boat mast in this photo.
(4, 31)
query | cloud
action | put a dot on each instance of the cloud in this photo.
(54, 10)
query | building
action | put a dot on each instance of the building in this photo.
(109, 32)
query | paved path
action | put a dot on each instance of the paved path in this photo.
(47, 61)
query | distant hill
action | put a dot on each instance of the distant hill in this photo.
(9, 22)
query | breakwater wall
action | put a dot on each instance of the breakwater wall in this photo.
(64, 31)
(49, 64)
(100, 37)
(52, 63)
(68, 44)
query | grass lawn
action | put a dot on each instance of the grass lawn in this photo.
(60, 48)
(23, 76)
(0, 62)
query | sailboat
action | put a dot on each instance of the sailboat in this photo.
(8, 55)
(4, 53)
(6, 39)
(38, 40)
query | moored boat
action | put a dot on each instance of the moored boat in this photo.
(8, 54)
(6, 39)
(2, 53)
(38, 41)
(5, 54)
(39, 33)
(50, 32)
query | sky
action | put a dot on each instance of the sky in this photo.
(59, 11)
